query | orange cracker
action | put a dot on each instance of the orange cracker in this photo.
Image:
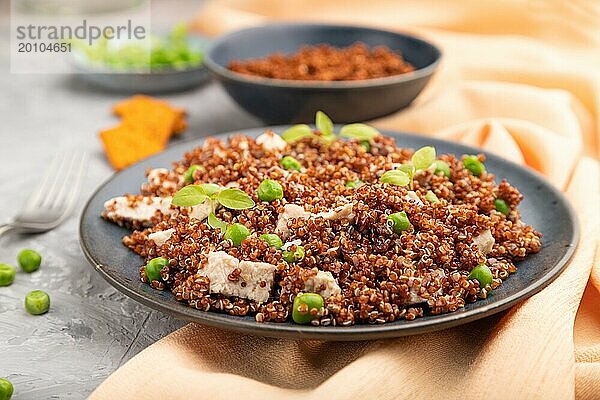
(147, 110)
(127, 144)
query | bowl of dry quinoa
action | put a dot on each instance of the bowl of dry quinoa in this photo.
(284, 73)
(330, 232)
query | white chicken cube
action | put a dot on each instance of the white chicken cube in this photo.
(289, 211)
(135, 210)
(484, 241)
(160, 237)
(271, 142)
(254, 281)
(323, 283)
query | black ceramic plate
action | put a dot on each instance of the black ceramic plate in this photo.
(543, 207)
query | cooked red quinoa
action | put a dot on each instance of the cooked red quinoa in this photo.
(327, 63)
(383, 276)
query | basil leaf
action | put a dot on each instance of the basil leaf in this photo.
(359, 132)
(324, 124)
(235, 199)
(408, 169)
(190, 195)
(424, 157)
(210, 188)
(296, 133)
(395, 177)
(216, 223)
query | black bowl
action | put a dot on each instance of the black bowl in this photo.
(284, 101)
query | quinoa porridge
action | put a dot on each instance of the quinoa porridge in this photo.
(327, 63)
(326, 229)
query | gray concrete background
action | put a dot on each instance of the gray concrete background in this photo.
(91, 328)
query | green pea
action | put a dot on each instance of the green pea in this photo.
(6, 389)
(306, 306)
(7, 274)
(236, 233)
(294, 256)
(431, 197)
(365, 144)
(270, 190)
(290, 163)
(482, 274)
(502, 206)
(272, 239)
(398, 222)
(37, 302)
(354, 184)
(442, 167)
(153, 268)
(29, 260)
(473, 164)
(189, 174)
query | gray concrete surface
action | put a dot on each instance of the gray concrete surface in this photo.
(91, 328)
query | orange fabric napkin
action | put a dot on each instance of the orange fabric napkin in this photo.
(532, 98)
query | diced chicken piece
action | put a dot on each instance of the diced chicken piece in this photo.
(254, 281)
(162, 181)
(135, 210)
(484, 241)
(323, 283)
(290, 211)
(338, 213)
(415, 288)
(201, 211)
(160, 237)
(412, 196)
(271, 142)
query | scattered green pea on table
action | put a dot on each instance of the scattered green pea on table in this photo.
(29, 260)
(6, 389)
(37, 302)
(7, 274)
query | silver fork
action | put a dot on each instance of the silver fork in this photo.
(53, 201)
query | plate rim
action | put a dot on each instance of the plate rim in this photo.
(337, 333)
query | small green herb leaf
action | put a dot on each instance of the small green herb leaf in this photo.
(359, 132)
(408, 169)
(190, 195)
(423, 158)
(324, 124)
(431, 197)
(395, 177)
(216, 223)
(210, 188)
(296, 133)
(235, 199)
